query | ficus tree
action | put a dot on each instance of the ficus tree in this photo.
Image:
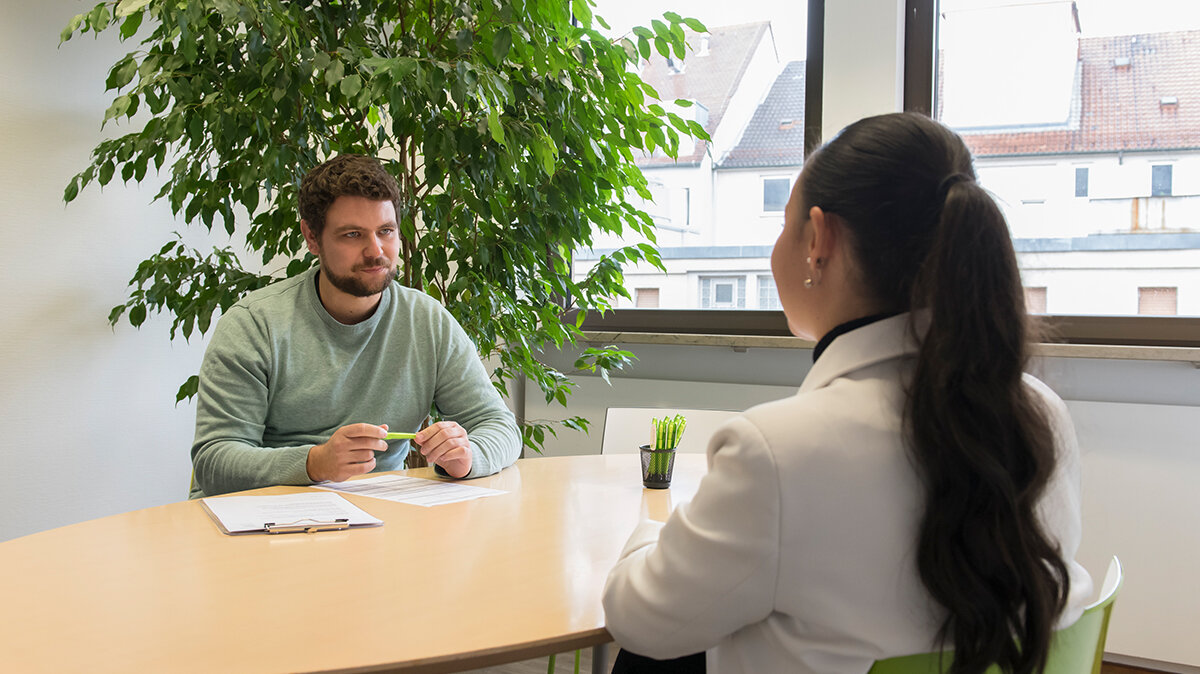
(511, 126)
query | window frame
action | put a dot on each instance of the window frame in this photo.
(920, 67)
(763, 179)
(1156, 183)
(1086, 173)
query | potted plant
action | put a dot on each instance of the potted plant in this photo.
(510, 125)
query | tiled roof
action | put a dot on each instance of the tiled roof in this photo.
(1138, 92)
(709, 79)
(775, 135)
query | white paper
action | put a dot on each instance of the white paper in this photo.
(411, 490)
(243, 514)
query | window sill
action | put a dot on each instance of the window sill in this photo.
(1152, 338)
(738, 342)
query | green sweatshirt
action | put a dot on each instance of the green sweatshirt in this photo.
(281, 375)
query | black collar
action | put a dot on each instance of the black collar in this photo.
(847, 327)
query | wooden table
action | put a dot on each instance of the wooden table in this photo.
(447, 588)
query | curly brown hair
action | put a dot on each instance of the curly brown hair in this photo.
(344, 175)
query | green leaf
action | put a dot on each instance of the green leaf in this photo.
(334, 73)
(695, 25)
(137, 315)
(129, 7)
(403, 67)
(501, 43)
(99, 17)
(72, 190)
(582, 12)
(351, 85)
(122, 73)
(131, 24)
(71, 27)
(188, 389)
(494, 126)
(464, 40)
(106, 172)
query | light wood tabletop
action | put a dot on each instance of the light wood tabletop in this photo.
(447, 588)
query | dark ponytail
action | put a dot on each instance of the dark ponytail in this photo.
(927, 238)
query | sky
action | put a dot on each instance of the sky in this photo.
(789, 17)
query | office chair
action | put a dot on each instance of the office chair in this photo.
(1078, 649)
(627, 428)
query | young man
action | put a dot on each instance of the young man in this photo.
(303, 379)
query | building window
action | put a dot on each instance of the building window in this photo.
(1081, 181)
(1035, 299)
(1160, 181)
(646, 298)
(775, 194)
(722, 292)
(1158, 301)
(768, 295)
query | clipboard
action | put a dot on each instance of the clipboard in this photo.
(306, 512)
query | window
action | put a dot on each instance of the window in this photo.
(718, 206)
(1075, 231)
(646, 298)
(1038, 113)
(1157, 301)
(775, 194)
(722, 292)
(1160, 179)
(768, 295)
(1035, 300)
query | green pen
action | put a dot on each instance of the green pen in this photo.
(399, 436)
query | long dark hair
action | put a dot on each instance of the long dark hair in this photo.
(927, 238)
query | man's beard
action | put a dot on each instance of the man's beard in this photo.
(352, 285)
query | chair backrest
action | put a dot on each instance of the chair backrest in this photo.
(627, 428)
(1078, 649)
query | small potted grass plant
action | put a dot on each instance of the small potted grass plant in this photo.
(658, 458)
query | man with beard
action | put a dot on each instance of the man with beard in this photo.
(303, 379)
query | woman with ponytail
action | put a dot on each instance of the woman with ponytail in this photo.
(920, 492)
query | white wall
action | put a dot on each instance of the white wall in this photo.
(740, 206)
(88, 411)
(1107, 282)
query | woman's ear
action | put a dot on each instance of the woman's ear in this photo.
(825, 235)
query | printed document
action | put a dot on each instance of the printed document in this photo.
(253, 514)
(411, 490)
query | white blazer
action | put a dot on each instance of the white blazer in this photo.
(797, 552)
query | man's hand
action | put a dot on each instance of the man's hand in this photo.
(445, 444)
(348, 452)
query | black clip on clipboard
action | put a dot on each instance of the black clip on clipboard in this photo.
(313, 526)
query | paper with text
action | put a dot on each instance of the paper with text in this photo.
(411, 490)
(251, 514)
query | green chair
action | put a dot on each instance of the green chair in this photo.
(1079, 649)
